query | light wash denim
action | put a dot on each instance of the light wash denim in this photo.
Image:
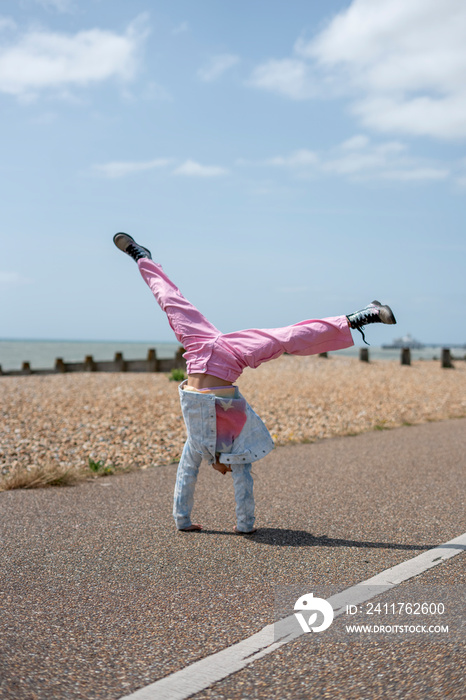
(253, 443)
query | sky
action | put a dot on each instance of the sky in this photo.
(283, 161)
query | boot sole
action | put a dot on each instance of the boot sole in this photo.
(122, 240)
(387, 315)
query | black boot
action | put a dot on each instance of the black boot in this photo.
(128, 245)
(374, 312)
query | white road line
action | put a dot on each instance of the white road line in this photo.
(201, 674)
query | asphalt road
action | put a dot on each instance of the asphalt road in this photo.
(100, 595)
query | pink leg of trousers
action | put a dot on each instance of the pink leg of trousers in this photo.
(226, 355)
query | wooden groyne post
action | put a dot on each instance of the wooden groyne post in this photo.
(60, 365)
(405, 356)
(446, 359)
(363, 355)
(151, 360)
(120, 364)
(151, 364)
(89, 364)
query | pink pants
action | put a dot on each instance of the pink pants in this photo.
(208, 351)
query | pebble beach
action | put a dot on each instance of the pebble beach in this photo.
(58, 424)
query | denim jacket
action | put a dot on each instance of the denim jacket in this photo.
(253, 443)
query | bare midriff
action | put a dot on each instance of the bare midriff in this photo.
(204, 381)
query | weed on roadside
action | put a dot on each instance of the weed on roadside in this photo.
(99, 468)
(177, 375)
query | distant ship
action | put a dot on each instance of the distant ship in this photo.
(407, 341)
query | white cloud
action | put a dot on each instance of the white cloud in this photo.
(401, 63)
(355, 143)
(299, 159)
(154, 91)
(189, 168)
(40, 60)
(442, 117)
(289, 77)
(417, 174)
(217, 66)
(13, 279)
(358, 158)
(192, 169)
(181, 28)
(6, 23)
(117, 169)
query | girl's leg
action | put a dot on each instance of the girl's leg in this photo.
(195, 333)
(243, 484)
(186, 478)
(225, 356)
(257, 345)
(186, 321)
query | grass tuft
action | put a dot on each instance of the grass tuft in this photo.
(177, 375)
(99, 468)
(40, 477)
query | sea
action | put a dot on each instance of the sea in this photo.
(41, 354)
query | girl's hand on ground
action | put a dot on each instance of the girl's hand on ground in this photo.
(222, 468)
